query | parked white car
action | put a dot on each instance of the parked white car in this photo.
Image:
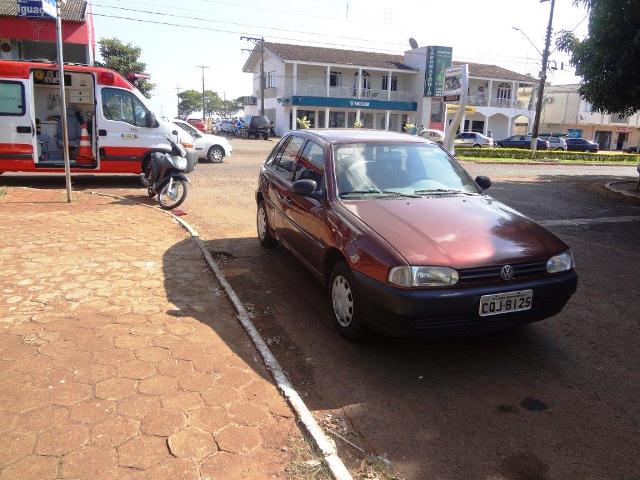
(472, 139)
(436, 136)
(212, 148)
(555, 143)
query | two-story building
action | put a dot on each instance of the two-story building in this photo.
(28, 38)
(336, 88)
(565, 111)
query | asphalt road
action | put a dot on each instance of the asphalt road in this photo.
(554, 400)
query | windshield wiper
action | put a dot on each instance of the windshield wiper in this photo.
(379, 192)
(442, 190)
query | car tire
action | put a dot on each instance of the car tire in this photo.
(265, 136)
(345, 303)
(560, 149)
(215, 154)
(477, 145)
(262, 225)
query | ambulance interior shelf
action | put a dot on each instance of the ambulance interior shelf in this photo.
(80, 106)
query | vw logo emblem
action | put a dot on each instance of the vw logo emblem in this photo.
(506, 272)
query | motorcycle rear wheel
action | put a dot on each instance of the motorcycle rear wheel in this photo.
(169, 200)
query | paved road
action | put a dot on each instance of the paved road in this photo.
(555, 400)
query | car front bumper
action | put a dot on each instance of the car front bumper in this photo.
(454, 311)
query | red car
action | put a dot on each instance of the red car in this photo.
(197, 123)
(406, 242)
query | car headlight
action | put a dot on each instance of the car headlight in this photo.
(407, 276)
(561, 262)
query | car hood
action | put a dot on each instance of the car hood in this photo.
(459, 231)
(212, 139)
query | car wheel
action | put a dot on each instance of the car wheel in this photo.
(215, 154)
(265, 136)
(345, 303)
(560, 149)
(477, 145)
(262, 223)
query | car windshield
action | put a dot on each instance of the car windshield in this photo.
(403, 169)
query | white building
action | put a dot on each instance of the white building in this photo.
(565, 111)
(335, 88)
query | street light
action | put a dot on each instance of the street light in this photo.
(203, 106)
(530, 41)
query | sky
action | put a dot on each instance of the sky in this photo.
(207, 32)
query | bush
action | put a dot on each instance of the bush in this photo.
(549, 155)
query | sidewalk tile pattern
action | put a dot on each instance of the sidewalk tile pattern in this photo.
(119, 355)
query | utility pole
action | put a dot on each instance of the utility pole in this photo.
(543, 78)
(259, 41)
(63, 101)
(203, 102)
(178, 95)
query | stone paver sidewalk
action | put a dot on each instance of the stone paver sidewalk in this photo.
(119, 356)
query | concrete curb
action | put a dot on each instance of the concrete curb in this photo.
(611, 186)
(305, 417)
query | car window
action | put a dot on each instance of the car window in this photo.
(311, 164)
(188, 128)
(12, 98)
(123, 106)
(373, 168)
(274, 153)
(286, 160)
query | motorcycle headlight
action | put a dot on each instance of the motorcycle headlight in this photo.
(561, 263)
(181, 163)
(408, 276)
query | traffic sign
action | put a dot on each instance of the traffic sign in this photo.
(37, 8)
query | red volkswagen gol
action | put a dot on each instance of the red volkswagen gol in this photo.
(405, 240)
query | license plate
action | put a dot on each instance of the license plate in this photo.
(508, 302)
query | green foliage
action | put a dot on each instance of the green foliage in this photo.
(544, 155)
(191, 101)
(607, 59)
(303, 123)
(124, 59)
(358, 124)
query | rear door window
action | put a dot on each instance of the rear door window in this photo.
(286, 160)
(311, 164)
(12, 98)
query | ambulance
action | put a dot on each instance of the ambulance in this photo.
(111, 129)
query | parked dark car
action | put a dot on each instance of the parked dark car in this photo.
(632, 149)
(257, 126)
(522, 141)
(406, 242)
(581, 145)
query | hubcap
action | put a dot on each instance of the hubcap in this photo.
(216, 154)
(262, 222)
(342, 298)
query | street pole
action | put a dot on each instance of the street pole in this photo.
(63, 103)
(178, 95)
(203, 102)
(543, 80)
(262, 76)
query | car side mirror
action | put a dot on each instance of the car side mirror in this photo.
(150, 120)
(305, 187)
(483, 182)
(175, 132)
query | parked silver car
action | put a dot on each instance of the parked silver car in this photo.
(555, 143)
(472, 139)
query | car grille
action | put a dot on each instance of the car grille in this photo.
(491, 273)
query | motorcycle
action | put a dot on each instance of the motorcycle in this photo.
(164, 176)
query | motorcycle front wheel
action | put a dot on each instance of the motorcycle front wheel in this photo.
(170, 199)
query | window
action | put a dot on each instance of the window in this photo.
(394, 83)
(503, 94)
(286, 160)
(437, 110)
(12, 98)
(270, 81)
(311, 164)
(123, 106)
(335, 79)
(188, 128)
(274, 153)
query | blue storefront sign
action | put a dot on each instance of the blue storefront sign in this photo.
(353, 103)
(574, 133)
(36, 8)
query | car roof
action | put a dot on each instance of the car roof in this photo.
(361, 135)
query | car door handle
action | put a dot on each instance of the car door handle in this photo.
(102, 133)
(24, 129)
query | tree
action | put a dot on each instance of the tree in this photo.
(124, 59)
(191, 101)
(607, 59)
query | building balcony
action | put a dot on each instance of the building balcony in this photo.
(477, 101)
(319, 90)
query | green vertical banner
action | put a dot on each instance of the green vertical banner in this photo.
(438, 59)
